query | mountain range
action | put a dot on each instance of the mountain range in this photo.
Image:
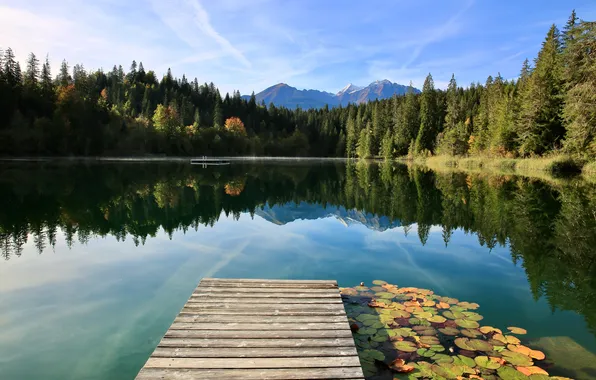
(290, 97)
(289, 212)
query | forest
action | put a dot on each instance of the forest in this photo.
(550, 108)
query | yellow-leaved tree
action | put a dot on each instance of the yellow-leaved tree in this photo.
(235, 125)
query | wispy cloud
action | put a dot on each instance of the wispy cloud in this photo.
(186, 18)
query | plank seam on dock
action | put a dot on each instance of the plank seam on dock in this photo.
(258, 329)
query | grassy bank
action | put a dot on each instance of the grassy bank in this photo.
(556, 165)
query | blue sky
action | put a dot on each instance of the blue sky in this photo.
(250, 45)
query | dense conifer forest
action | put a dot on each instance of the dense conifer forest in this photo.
(550, 108)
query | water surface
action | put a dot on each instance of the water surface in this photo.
(99, 258)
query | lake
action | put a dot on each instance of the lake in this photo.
(98, 258)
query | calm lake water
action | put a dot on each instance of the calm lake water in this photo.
(99, 258)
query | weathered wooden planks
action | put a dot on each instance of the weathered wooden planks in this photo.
(258, 329)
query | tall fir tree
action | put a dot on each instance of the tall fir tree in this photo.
(406, 129)
(540, 127)
(429, 120)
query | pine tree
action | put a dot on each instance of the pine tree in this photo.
(364, 142)
(32, 72)
(64, 78)
(406, 129)
(579, 111)
(454, 114)
(352, 136)
(217, 114)
(386, 148)
(196, 120)
(11, 69)
(429, 123)
(47, 87)
(540, 125)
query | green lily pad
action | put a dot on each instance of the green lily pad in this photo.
(361, 288)
(467, 324)
(430, 340)
(510, 373)
(418, 321)
(405, 346)
(379, 282)
(467, 361)
(423, 315)
(480, 345)
(468, 305)
(426, 352)
(374, 354)
(454, 369)
(370, 322)
(486, 362)
(538, 376)
(366, 331)
(400, 314)
(471, 316)
(463, 343)
(363, 317)
(385, 295)
(437, 348)
(470, 333)
(380, 338)
(449, 331)
(442, 358)
(436, 319)
(517, 358)
(451, 314)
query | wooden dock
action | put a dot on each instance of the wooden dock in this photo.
(258, 329)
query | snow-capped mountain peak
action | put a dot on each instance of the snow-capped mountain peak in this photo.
(349, 89)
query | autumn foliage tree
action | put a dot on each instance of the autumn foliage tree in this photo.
(235, 125)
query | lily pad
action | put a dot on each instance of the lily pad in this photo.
(425, 352)
(436, 319)
(471, 316)
(442, 358)
(480, 345)
(533, 370)
(510, 373)
(487, 362)
(467, 361)
(463, 343)
(468, 305)
(400, 314)
(449, 331)
(430, 340)
(453, 314)
(471, 333)
(379, 282)
(517, 330)
(385, 295)
(467, 324)
(374, 354)
(489, 329)
(516, 358)
(405, 346)
(437, 348)
(424, 315)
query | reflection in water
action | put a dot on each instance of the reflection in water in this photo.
(548, 227)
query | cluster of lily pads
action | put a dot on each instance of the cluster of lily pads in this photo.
(415, 334)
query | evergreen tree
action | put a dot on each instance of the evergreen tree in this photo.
(352, 136)
(429, 123)
(386, 148)
(32, 72)
(579, 111)
(540, 125)
(217, 114)
(408, 122)
(64, 78)
(47, 86)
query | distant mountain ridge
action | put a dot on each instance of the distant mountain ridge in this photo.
(287, 96)
(290, 212)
